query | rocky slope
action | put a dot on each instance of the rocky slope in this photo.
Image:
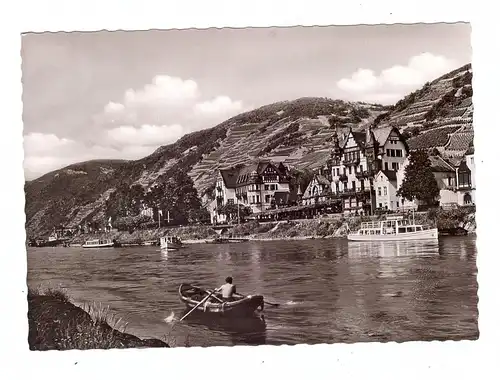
(297, 132)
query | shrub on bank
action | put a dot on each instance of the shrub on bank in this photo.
(449, 219)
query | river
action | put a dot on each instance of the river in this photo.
(329, 291)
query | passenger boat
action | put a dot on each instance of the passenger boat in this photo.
(170, 243)
(191, 295)
(392, 229)
(99, 243)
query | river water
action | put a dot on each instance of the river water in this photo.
(329, 290)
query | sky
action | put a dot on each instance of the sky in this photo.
(121, 95)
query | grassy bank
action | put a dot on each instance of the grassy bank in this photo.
(55, 323)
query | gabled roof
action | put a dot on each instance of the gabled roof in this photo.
(439, 165)
(382, 134)
(322, 180)
(390, 174)
(240, 175)
(360, 138)
(470, 149)
(229, 176)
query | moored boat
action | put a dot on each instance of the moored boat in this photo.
(99, 243)
(218, 240)
(191, 296)
(393, 229)
(170, 243)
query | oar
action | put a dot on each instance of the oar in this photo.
(217, 298)
(268, 303)
(198, 304)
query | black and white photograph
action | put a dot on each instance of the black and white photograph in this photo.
(249, 186)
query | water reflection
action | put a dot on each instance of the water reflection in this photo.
(389, 249)
(164, 254)
(249, 330)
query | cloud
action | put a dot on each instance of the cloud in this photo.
(220, 105)
(39, 143)
(145, 135)
(47, 152)
(395, 82)
(164, 90)
(134, 126)
(113, 107)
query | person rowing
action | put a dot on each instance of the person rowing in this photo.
(228, 290)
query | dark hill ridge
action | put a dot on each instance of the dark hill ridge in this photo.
(297, 132)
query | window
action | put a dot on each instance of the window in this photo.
(230, 201)
(338, 172)
(380, 191)
(380, 205)
(350, 169)
(397, 204)
(258, 199)
(385, 190)
(253, 198)
(268, 198)
(266, 187)
(386, 166)
(361, 168)
(353, 185)
(399, 153)
(395, 166)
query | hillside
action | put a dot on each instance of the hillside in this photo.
(439, 115)
(297, 132)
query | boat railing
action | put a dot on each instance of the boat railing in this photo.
(369, 225)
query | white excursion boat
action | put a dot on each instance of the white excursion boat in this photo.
(170, 243)
(99, 243)
(393, 229)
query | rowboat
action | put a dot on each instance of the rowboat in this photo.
(393, 229)
(99, 243)
(191, 296)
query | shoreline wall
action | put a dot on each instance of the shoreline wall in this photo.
(323, 227)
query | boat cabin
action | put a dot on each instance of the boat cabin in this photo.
(98, 242)
(391, 226)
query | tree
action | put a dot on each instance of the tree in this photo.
(230, 210)
(300, 179)
(178, 197)
(419, 181)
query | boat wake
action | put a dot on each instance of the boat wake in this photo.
(292, 303)
(171, 318)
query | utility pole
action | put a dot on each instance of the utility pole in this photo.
(238, 196)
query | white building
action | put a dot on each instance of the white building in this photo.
(358, 158)
(259, 186)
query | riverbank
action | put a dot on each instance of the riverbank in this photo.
(332, 226)
(55, 323)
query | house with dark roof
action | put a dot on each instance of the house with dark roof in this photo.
(446, 177)
(463, 190)
(317, 190)
(355, 160)
(259, 185)
(385, 185)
